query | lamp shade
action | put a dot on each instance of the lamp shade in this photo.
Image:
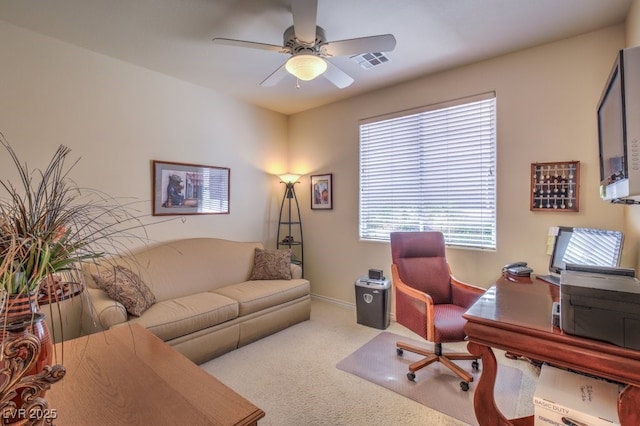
(306, 66)
(289, 178)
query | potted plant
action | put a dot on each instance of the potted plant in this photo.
(48, 225)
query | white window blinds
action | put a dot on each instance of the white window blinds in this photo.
(431, 169)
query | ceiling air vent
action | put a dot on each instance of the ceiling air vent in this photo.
(370, 60)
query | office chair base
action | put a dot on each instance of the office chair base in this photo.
(438, 356)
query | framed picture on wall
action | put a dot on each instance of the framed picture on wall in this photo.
(322, 192)
(180, 189)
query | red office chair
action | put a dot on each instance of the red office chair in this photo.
(429, 300)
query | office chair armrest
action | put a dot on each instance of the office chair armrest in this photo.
(417, 309)
(464, 294)
(407, 289)
(416, 294)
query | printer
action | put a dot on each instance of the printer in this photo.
(601, 306)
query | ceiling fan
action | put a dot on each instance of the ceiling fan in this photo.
(307, 44)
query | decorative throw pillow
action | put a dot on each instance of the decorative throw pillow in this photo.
(271, 265)
(126, 287)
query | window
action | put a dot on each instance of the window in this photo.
(431, 169)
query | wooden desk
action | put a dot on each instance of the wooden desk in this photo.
(129, 376)
(516, 317)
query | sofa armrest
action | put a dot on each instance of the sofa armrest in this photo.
(296, 271)
(102, 312)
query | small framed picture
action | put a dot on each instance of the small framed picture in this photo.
(322, 192)
(180, 189)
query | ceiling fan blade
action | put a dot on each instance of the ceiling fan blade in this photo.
(275, 77)
(356, 46)
(251, 45)
(304, 20)
(338, 77)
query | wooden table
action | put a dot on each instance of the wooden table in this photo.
(127, 376)
(516, 317)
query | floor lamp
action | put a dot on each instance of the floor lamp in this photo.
(289, 222)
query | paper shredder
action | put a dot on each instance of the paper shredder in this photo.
(373, 302)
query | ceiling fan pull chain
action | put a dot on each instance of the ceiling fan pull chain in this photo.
(297, 83)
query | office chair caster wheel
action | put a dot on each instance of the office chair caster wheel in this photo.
(399, 351)
(411, 376)
(475, 366)
(464, 386)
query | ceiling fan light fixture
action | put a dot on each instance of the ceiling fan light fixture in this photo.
(306, 66)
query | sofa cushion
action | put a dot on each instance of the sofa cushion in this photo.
(271, 264)
(125, 286)
(184, 315)
(253, 296)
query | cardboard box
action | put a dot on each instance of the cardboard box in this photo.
(569, 399)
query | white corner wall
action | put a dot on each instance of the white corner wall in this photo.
(118, 118)
(546, 100)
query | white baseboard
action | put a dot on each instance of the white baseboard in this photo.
(342, 303)
(338, 302)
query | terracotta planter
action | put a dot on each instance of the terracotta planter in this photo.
(21, 316)
(19, 305)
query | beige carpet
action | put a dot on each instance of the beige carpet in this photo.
(435, 386)
(292, 376)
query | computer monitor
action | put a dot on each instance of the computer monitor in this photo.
(585, 246)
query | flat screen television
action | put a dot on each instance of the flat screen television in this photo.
(619, 129)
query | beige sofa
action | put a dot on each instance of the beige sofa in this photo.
(205, 303)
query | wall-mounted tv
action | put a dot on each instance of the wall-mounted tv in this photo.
(619, 129)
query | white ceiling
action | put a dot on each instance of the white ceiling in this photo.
(174, 37)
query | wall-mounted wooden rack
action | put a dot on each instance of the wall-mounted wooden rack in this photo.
(555, 186)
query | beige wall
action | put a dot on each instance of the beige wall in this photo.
(546, 100)
(632, 213)
(119, 117)
(632, 25)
